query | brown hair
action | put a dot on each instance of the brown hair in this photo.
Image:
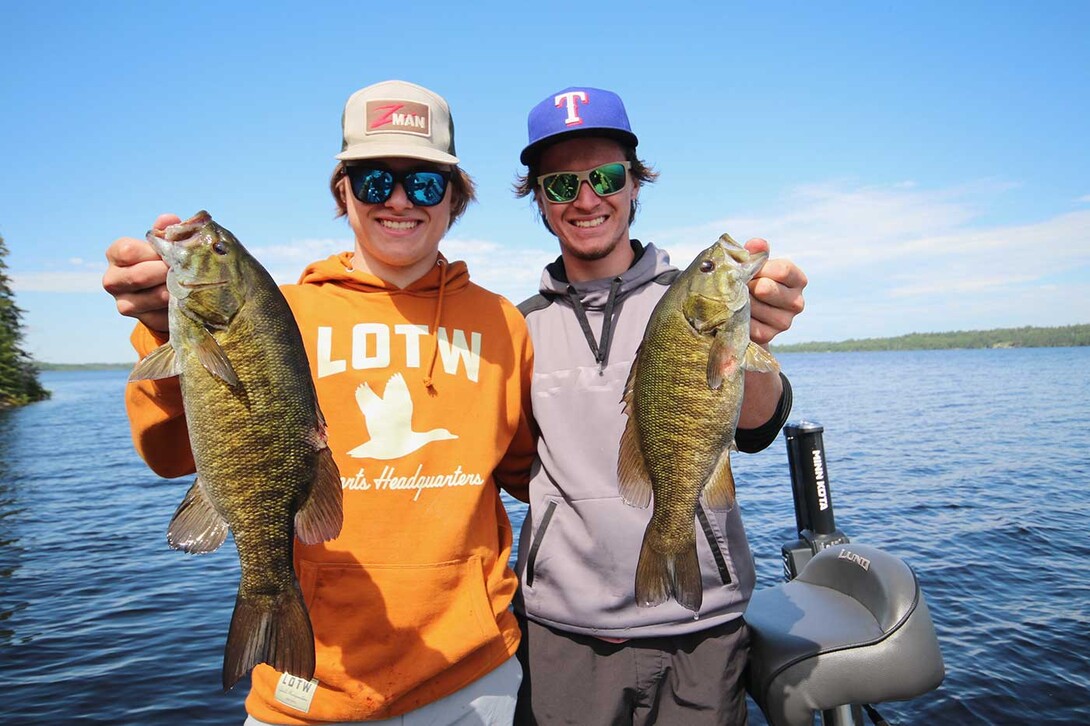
(462, 192)
(526, 184)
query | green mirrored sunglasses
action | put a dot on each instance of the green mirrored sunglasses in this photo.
(562, 187)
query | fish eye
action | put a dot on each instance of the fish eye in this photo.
(707, 266)
(219, 248)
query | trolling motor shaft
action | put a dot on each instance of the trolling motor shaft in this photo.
(814, 518)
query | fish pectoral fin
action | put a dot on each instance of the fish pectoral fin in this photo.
(160, 363)
(214, 360)
(633, 481)
(720, 362)
(718, 493)
(760, 360)
(196, 526)
(321, 516)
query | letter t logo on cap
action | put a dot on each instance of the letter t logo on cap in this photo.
(571, 99)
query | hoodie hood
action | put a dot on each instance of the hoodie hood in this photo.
(650, 262)
(601, 299)
(446, 276)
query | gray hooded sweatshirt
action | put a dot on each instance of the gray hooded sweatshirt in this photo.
(580, 542)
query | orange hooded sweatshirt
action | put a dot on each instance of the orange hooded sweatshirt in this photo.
(410, 602)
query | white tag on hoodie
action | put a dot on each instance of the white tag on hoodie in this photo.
(294, 692)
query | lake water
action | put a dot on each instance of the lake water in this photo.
(973, 466)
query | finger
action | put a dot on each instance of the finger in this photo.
(135, 278)
(768, 321)
(148, 306)
(783, 271)
(772, 294)
(130, 251)
(165, 220)
(148, 301)
(760, 333)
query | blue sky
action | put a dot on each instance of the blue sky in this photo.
(926, 163)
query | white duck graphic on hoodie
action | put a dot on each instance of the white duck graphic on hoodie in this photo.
(389, 421)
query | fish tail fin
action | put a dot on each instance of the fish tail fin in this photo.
(688, 588)
(660, 575)
(273, 629)
(653, 584)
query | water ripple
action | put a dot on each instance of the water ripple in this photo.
(957, 462)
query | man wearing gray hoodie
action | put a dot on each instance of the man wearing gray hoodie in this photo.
(590, 655)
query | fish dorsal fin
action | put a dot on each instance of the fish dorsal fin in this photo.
(633, 481)
(214, 360)
(196, 526)
(760, 360)
(160, 363)
(718, 493)
(321, 516)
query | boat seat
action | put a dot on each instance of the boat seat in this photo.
(852, 628)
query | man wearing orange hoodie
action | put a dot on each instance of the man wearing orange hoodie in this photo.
(410, 602)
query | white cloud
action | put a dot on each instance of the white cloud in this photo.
(895, 259)
(511, 271)
(59, 281)
(881, 260)
(285, 262)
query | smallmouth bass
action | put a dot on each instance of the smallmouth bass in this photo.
(683, 398)
(264, 468)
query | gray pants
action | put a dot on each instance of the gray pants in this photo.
(688, 680)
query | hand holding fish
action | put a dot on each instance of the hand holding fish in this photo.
(775, 295)
(136, 277)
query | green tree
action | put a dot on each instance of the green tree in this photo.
(18, 375)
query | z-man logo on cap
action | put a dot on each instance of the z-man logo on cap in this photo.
(398, 117)
(571, 99)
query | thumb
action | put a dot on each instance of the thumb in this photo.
(757, 245)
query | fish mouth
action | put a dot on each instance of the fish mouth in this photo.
(184, 230)
(171, 243)
(202, 285)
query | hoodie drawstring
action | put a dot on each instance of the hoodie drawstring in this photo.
(435, 325)
(600, 351)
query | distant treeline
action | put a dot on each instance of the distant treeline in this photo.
(19, 384)
(86, 366)
(1027, 337)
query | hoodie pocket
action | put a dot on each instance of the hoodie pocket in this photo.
(380, 631)
(539, 535)
(720, 565)
(580, 565)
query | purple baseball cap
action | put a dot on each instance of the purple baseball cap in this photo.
(578, 110)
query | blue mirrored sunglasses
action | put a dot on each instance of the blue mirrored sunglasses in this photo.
(373, 185)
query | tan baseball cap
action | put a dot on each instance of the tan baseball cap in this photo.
(397, 118)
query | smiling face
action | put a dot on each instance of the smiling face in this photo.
(593, 230)
(397, 240)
